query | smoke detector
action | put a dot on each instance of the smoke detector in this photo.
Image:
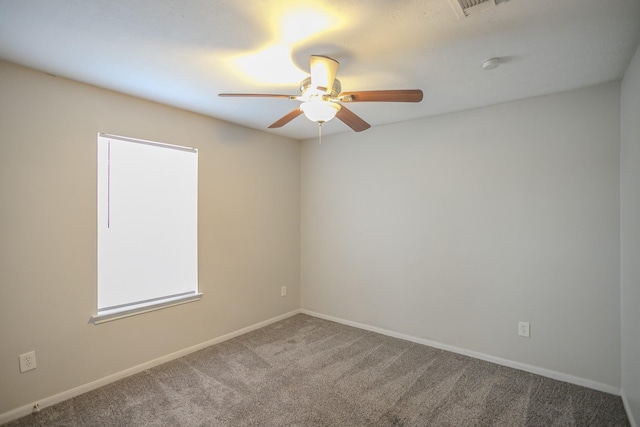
(464, 8)
(491, 64)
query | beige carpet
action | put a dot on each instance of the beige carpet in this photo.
(305, 371)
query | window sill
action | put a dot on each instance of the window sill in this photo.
(119, 313)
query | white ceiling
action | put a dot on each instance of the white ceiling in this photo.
(184, 52)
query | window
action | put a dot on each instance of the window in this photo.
(147, 226)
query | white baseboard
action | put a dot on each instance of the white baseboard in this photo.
(76, 391)
(477, 355)
(627, 408)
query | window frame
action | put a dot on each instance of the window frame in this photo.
(135, 307)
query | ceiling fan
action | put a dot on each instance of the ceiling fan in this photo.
(322, 97)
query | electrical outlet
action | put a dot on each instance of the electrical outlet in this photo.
(283, 291)
(523, 329)
(27, 361)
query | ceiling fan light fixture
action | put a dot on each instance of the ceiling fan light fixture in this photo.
(320, 111)
(321, 97)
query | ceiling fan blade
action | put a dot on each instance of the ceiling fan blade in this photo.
(402, 95)
(286, 118)
(323, 72)
(255, 95)
(352, 120)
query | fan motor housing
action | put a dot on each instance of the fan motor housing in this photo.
(335, 89)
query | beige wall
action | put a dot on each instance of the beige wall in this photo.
(630, 236)
(248, 232)
(454, 228)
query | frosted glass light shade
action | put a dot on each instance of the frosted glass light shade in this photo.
(320, 111)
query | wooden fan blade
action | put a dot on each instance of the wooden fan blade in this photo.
(352, 120)
(255, 95)
(403, 95)
(323, 72)
(286, 119)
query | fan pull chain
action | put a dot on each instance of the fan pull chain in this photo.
(320, 133)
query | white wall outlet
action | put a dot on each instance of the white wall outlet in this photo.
(283, 291)
(27, 361)
(523, 329)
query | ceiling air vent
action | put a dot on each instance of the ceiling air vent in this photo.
(464, 8)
